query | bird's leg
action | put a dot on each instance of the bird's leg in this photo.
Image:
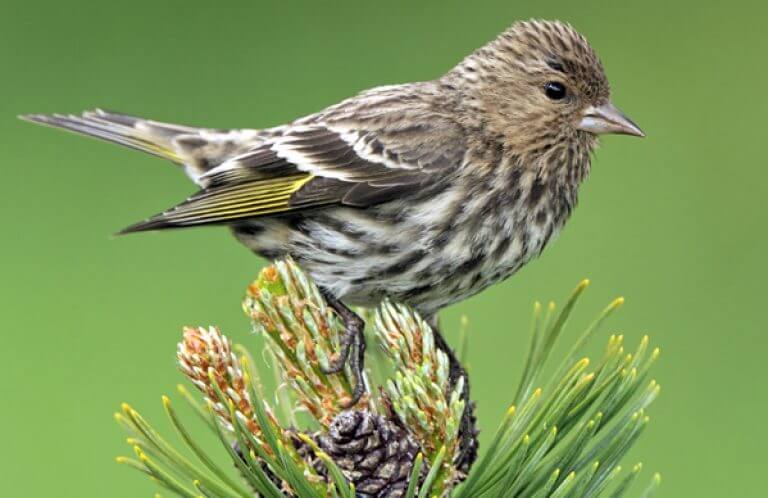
(352, 346)
(468, 427)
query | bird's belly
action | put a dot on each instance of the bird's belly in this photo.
(465, 268)
(426, 259)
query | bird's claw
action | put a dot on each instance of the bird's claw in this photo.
(337, 364)
(352, 348)
(357, 364)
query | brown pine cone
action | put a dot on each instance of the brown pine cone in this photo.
(374, 453)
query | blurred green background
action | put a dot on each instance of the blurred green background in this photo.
(675, 222)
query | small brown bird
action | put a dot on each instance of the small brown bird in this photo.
(425, 193)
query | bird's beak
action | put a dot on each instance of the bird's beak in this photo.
(607, 118)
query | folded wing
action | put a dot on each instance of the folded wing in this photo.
(320, 163)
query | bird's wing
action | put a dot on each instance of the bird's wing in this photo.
(332, 159)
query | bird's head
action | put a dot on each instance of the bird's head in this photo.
(540, 84)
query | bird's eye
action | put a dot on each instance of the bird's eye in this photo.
(555, 90)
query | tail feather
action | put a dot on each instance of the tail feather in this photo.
(198, 149)
(122, 129)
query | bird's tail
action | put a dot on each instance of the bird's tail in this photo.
(198, 149)
(140, 134)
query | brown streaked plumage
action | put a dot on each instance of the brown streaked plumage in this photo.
(424, 192)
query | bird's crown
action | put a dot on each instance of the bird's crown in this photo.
(535, 48)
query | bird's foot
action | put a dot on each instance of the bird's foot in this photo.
(468, 428)
(352, 347)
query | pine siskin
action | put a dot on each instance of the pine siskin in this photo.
(425, 192)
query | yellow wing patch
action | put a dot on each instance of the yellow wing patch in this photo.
(229, 203)
(251, 199)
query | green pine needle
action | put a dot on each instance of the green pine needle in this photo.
(565, 440)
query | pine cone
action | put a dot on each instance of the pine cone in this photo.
(374, 453)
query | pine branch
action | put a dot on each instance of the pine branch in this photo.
(567, 439)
